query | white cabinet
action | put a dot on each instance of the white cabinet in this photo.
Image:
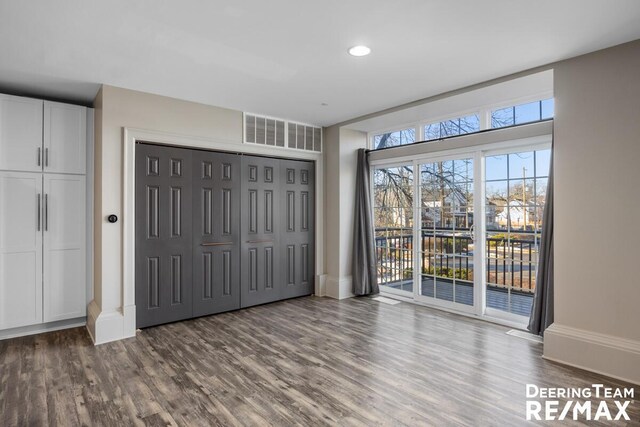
(43, 213)
(64, 247)
(20, 134)
(20, 249)
(65, 138)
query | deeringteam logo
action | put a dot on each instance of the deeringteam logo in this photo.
(595, 403)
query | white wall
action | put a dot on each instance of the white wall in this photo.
(117, 109)
(597, 212)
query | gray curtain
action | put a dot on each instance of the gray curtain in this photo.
(363, 265)
(542, 309)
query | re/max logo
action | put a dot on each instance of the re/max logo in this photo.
(576, 410)
(583, 409)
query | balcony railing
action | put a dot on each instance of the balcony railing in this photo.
(448, 254)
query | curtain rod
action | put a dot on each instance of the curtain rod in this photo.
(459, 136)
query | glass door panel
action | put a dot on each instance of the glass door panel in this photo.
(393, 220)
(446, 231)
(515, 191)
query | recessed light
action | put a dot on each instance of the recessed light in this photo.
(359, 51)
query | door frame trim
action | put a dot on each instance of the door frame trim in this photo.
(122, 324)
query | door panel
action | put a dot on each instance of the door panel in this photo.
(65, 136)
(163, 235)
(64, 247)
(446, 258)
(261, 230)
(20, 134)
(20, 249)
(216, 232)
(297, 237)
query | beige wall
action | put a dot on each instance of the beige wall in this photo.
(117, 109)
(597, 212)
(340, 172)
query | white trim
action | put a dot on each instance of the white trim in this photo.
(339, 288)
(42, 327)
(321, 285)
(601, 353)
(516, 137)
(114, 325)
(89, 194)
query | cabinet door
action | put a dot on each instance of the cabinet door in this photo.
(65, 138)
(20, 249)
(20, 134)
(64, 279)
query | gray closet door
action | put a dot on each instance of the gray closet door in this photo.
(297, 225)
(163, 235)
(260, 214)
(216, 232)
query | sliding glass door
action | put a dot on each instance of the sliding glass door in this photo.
(393, 189)
(446, 250)
(462, 231)
(515, 192)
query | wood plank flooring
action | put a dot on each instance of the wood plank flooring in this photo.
(308, 361)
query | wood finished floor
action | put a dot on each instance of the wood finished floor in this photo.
(308, 361)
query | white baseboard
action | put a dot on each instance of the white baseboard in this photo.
(42, 327)
(321, 285)
(339, 288)
(603, 354)
(107, 326)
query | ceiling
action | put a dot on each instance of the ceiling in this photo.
(285, 58)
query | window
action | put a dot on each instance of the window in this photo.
(452, 127)
(393, 139)
(485, 118)
(523, 113)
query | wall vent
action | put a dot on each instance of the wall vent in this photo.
(281, 133)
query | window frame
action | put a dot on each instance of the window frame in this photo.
(483, 111)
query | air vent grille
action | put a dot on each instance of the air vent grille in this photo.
(281, 133)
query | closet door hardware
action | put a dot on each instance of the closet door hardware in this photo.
(38, 210)
(216, 244)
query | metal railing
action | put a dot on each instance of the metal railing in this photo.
(448, 254)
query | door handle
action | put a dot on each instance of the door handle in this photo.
(39, 156)
(46, 157)
(38, 209)
(46, 212)
(216, 244)
(259, 241)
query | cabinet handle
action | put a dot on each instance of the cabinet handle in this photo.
(46, 157)
(259, 241)
(216, 244)
(39, 156)
(46, 212)
(38, 209)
